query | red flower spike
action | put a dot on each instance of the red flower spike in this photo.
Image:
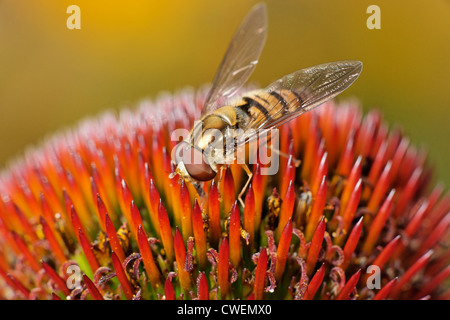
(437, 234)
(166, 232)
(353, 178)
(400, 152)
(287, 208)
(249, 214)
(57, 280)
(87, 250)
(169, 291)
(222, 269)
(31, 260)
(346, 159)
(125, 284)
(147, 257)
(378, 223)
(344, 294)
(202, 287)
(381, 187)
(288, 176)
(434, 283)
(260, 275)
(180, 257)
(76, 223)
(102, 212)
(320, 172)
(407, 276)
(53, 242)
(408, 192)
(114, 239)
(235, 235)
(352, 206)
(384, 292)
(93, 290)
(186, 221)
(379, 164)
(214, 215)
(55, 297)
(351, 243)
(199, 235)
(317, 209)
(228, 192)
(316, 245)
(16, 284)
(315, 283)
(283, 249)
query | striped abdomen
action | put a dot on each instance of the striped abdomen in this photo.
(261, 107)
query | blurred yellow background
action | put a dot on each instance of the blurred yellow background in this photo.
(50, 77)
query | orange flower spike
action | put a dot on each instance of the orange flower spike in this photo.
(258, 191)
(93, 290)
(351, 243)
(378, 223)
(87, 250)
(316, 245)
(125, 284)
(154, 199)
(283, 249)
(114, 239)
(288, 176)
(202, 287)
(199, 235)
(320, 172)
(57, 280)
(378, 164)
(185, 206)
(31, 260)
(234, 234)
(344, 294)
(127, 198)
(136, 219)
(287, 208)
(384, 292)
(355, 175)
(147, 257)
(317, 209)
(53, 242)
(222, 269)
(249, 214)
(312, 145)
(180, 257)
(315, 283)
(381, 186)
(260, 275)
(411, 272)
(214, 215)
(166, 232)
(228, 191)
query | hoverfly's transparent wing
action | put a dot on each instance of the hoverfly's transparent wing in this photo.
(240, 59)
(308, 88)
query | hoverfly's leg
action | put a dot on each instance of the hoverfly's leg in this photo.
(297, 162)
(250, 176)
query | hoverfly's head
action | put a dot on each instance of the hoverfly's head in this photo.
(192, 163)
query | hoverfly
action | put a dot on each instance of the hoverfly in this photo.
(241, 119)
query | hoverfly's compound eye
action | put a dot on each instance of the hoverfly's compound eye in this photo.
(194, 161)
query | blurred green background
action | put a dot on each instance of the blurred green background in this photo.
(50, 77)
